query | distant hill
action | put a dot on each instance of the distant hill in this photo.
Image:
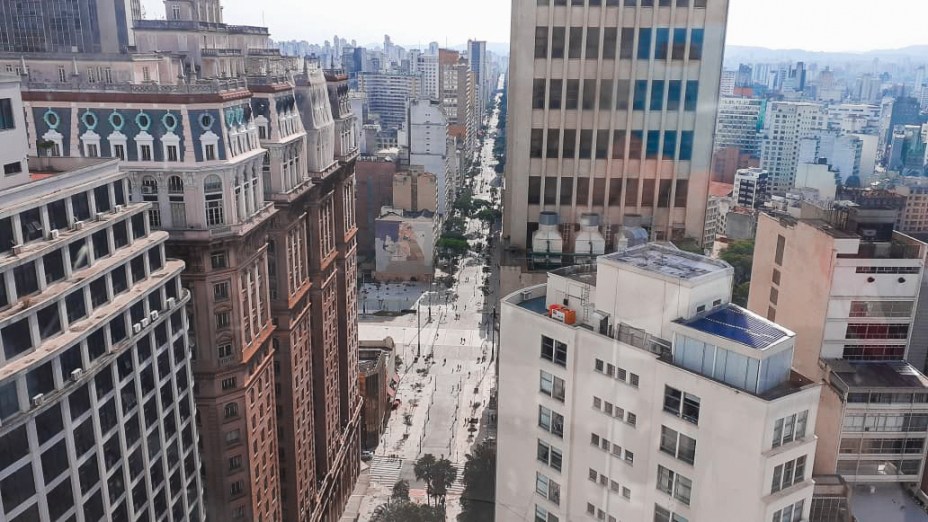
(735, 54)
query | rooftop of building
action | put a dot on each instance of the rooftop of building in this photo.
(877, 375)
(667, 260)
(44, 171)
(719, 189)
(885, 503)
(585, 273)
(739, 325)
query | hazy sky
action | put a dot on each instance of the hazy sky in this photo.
(815, 25)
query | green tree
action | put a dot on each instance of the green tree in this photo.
(402, 511)
(400, 491)
(423, 471)
(479, 496)
(740, 255)
(443, 476)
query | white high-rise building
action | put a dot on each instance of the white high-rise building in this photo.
(426, 138)
(727, 85)
(427, 68)
(611, 112)
(738, 124)
(657, 399)
(96, 391)
(785, 125)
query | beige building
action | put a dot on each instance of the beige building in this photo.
(415, 190)
(848, 285)
(611, 111)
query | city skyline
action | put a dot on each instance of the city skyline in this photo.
(845, 31)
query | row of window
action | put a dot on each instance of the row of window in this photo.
(879, 467)
(877, 331)
(791, 513)
(882, 446)
(615, 411)
(569, 189)
(663, 43)
(790, 428)
(28, 332)
(885, 422)
(614, 449)
(598, 513)
(874, 352)
(603, 480)
(888, 270)
(662, 514)
(619, 144)
(614, 95)
(788, 473)
(887, 398)
(616, 372)
(881, 308)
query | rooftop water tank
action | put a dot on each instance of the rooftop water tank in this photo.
(589, 240)
(547, 244)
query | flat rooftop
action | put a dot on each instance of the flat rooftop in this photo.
(891, 374)
(537, 305)
(885, 503)
(581, 273)
(737, 324)
(668, 261)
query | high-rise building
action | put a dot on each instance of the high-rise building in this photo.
(727, 85)
(477, 57)
(848, 285)
(52, 26)
(750, 187)
(785, 125)
(611, 113)
(739, 123)
(656, 398)
(428, 146)
(254, 183)
(388, 95)
(96, 391)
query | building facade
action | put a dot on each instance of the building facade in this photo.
(739, 123)
(630, 418)
(611, 111)
(96, 390)
(750, 188)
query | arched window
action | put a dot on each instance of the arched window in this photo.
(175, 185)
(212, 189)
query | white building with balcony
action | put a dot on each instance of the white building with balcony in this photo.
(657, 399)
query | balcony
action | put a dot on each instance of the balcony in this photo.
(220, 52)
(224, 231)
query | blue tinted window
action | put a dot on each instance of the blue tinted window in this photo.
(657, 95)
(679, 44)
(653, 145)
(641, 94)
(663, 44)
(670, 144)
(696, 38)
(674, 92)
(692, 94)
(686, 145)
(644, 43)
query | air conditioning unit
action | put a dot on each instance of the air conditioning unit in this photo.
(17, 249)
(148, 190)
(136, 328)
(171, 302)
(145, 322)
(53, 234)
(117, 209)
(76, 374)
(78, 225)
(100, 216)
(526, 295)
(38, 399)
(154, 316)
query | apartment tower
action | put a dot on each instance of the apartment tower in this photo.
(612, 107)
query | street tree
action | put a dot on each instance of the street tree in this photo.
(443, 476)
(479, 496)
(404, 511)
(400, 491)
(423, 471)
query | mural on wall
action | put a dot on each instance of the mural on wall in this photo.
(404, 247)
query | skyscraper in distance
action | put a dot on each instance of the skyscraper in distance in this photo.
(611, 112)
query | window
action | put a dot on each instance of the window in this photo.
(145, 152)
(222, 320)
(231, 410)
(537, 139)
(681, 404)
(541, 42)
(574, 42)
(551, 421)
(558, 41)
(210, 152)
(790, 428)
(12, 168)
(552, 386)
(6, 114)
(221, 291)
(664, 515)
(781, 246)
(554, 351)
(236, 488)
(550, 455)
(172, 152)
(547, 488)
(227, 383)
(592, 43)
(609, 41)
(218, 259)
(627, 46)
(692, 95)
(877, 331)
(644, 43)
(791, 513)
(554, 94)
(119, 151)
(678, 445)
(696, 39)
(674, 484)
(788, 473)
(881, 308)
(538, 93)
(542, 515)
(212, 188)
